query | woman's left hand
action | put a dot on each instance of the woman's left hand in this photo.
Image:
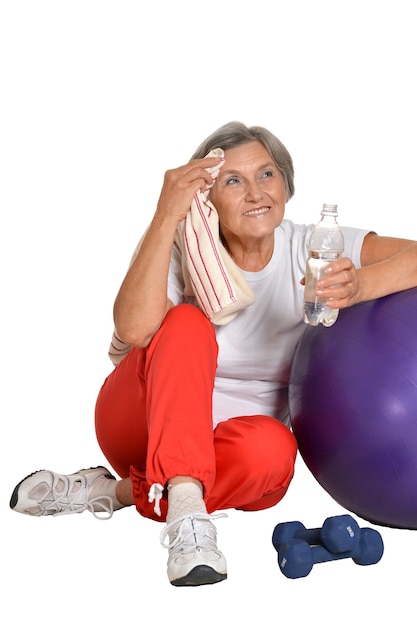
(340, 284)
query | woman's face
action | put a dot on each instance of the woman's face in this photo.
(249, 193)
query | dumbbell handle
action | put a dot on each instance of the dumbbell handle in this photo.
(314, 537)
(321, 555)
(310, 535)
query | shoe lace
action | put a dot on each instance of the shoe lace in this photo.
(188, 536)
(67, 501)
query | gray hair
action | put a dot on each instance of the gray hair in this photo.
(236, 134)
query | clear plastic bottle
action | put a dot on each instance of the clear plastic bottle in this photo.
(326, 245)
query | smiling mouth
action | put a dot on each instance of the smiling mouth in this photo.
(260, 211)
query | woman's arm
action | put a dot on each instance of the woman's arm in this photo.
(141, 303)
(388, 264)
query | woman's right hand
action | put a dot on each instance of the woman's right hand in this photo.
(181, 185)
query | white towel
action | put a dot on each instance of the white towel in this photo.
(209, 271)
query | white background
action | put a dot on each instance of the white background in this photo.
(98, 99)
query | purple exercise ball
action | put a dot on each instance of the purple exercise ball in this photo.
(353, 407)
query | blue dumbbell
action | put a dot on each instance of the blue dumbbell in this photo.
(338, 534)
(296, 557)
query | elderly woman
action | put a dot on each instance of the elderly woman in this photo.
(194, 417)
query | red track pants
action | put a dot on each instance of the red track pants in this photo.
(154, 421)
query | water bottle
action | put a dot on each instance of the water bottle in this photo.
(326, 245)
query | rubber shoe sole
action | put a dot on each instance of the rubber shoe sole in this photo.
(200, 575)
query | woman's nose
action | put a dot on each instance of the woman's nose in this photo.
(253, 191)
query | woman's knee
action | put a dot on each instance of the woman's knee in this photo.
(259, 443)
(276, 439)
(255, 459)
(259, 433)
(187, 315)
(186, 328)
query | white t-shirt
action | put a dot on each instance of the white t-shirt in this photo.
(256, 348)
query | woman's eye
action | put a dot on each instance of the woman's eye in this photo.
(232, 181)
(267, 174)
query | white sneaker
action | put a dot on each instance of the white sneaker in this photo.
(48, 493)
(193, 555)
